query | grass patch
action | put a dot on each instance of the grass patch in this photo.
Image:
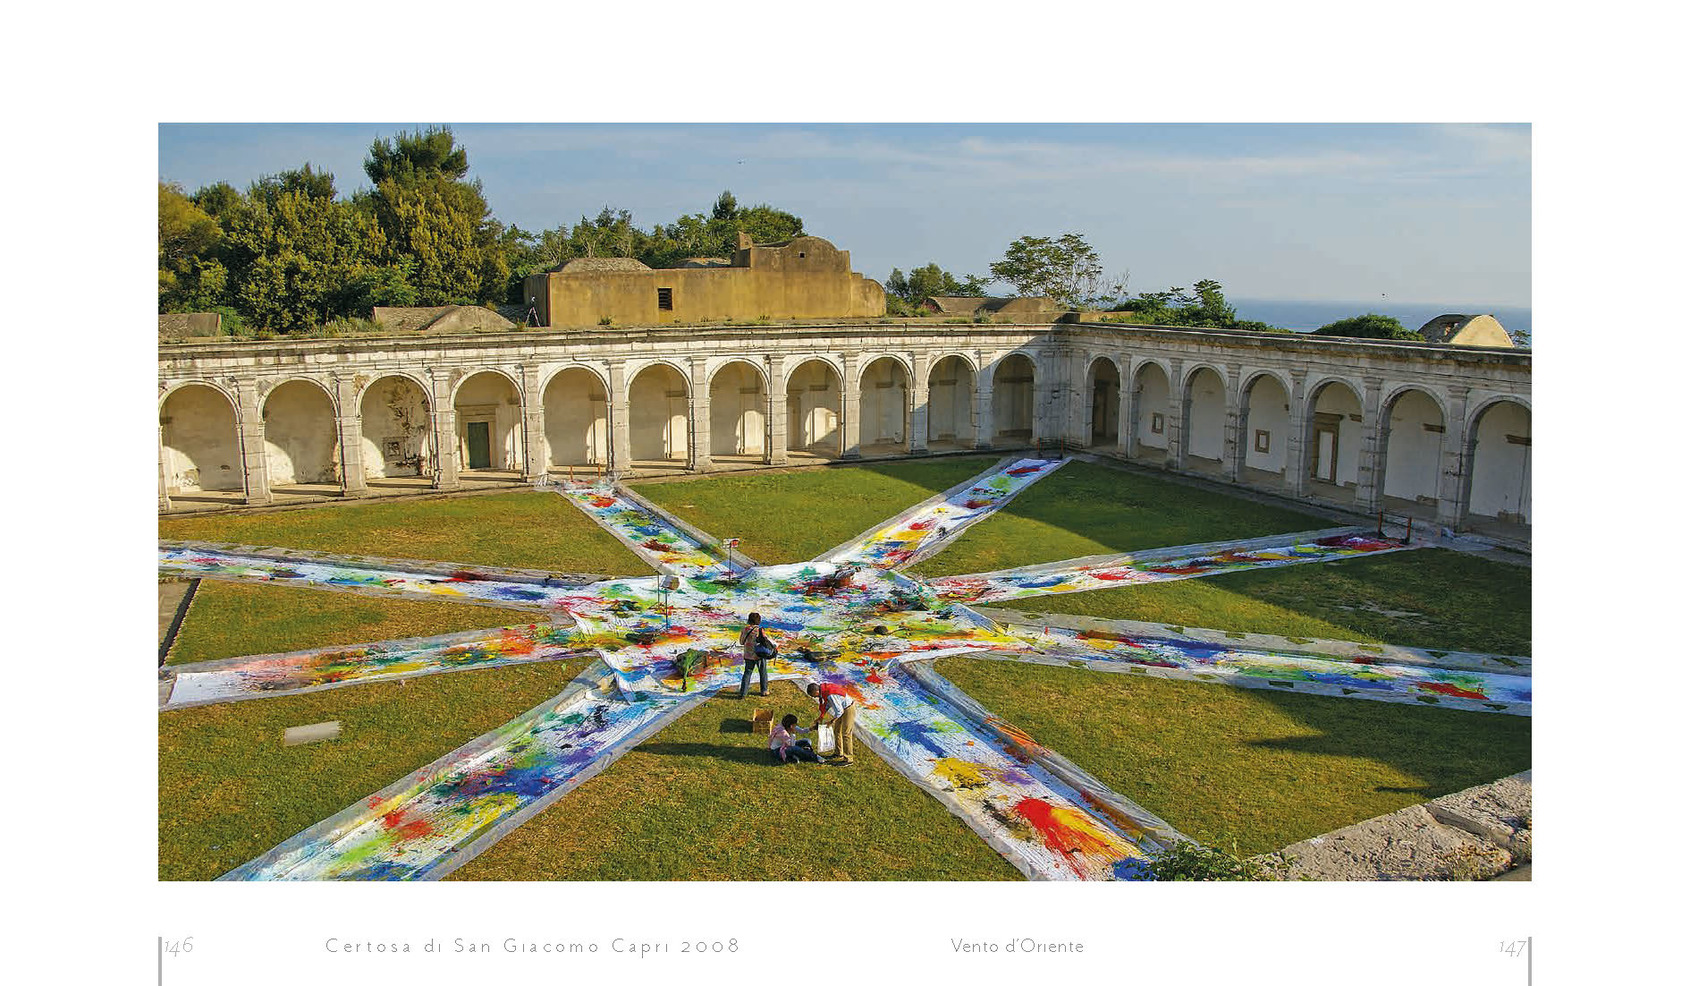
(228, 790)
(229, 619)
(795, 516)
(513, 530)
(1430, 598)
(700, 801)
(1088, 509)
(1265, 768)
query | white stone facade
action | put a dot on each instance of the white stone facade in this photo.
(1436, 431)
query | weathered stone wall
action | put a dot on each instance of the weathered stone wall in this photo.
(652, 394)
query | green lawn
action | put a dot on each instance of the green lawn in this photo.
(229, 619)
(228, 790)
(795, 516)
(699, 801)
(1260, 767)
(513, 530)
(1087, 509)
(1430, 598)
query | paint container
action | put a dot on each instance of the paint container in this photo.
(761, 720)
(824, 740)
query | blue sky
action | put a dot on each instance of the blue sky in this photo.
(1436, 214)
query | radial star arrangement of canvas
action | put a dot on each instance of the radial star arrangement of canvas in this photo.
(849, 617)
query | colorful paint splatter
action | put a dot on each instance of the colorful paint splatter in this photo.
(848, 617)
(1195, 561)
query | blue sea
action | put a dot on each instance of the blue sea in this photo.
(1307, 315)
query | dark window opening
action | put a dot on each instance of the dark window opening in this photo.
(665, 299)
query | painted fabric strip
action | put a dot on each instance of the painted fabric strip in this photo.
(1162, 566)
(928, 528)
(266, 676)
(1355, 678)
(428, 824)
(663, 545)
(990, 775)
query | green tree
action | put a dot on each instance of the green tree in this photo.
(1066, 269)
(431, 153)
(191, 277)
(1204, 305)
(932, 281)
(1369, 326)
(434, 220)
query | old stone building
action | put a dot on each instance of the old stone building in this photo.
(1433, 431)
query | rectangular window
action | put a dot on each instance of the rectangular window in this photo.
(665, 299)
(1263, 440)
(1155, 423)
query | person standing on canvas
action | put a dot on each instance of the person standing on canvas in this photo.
(755, 645)
(837, 708)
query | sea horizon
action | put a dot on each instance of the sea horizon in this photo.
(1306, 316)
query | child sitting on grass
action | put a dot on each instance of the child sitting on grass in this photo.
(786, 747)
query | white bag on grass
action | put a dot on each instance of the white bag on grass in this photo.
(824, 740)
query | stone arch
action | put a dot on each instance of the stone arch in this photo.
(201, 440)
(658, 429)
(301, 443)
(1103, 402)
(1412, 421)
(1203, 398)
(1150, 427)
(1498, 485)
(1264, 430)
(950, 403)
(1334, 434)
(814, 406)
(883, 402)
(1015, 381)
(575, 413)
(394, 413)
(739, 395)
(488, 409)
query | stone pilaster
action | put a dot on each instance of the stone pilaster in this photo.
(349, 424)
(1454, 461)
(1124, 430)
(1232, 448)
(255, 465)
(445, 423)
(621, 452)
(163, 483)
(698, 416)
(774, 452)
(1301, 432)
(1173, 419)
(850, 409)
(1368, 465)
(916, 422)
(983, 425)
(533, 425)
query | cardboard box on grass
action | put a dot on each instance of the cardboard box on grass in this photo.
(761, 720)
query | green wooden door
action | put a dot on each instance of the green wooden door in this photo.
(480, 446)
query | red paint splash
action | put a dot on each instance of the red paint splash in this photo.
(394, 821)
(1067, 832)
(1453, 691)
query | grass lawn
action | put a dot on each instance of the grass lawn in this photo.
(1087, 509)
(513, 530)
(228, 790)
(699, 801)
(1263, 768)
(795, 516)
(1431, 598)
(231, 619)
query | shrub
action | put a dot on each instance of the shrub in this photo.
(1194, 861)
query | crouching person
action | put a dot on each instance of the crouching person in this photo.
(786, 747)
(835, 706)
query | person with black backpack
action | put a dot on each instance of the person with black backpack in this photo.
(757, 649)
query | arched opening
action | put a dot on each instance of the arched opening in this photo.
(301, 447)
(1500, 477)
(884, 401)
(1203, 422)
(813, 406)
(1103, 397)
(1150, 414)
(657, 417)
(950, 405)
(1264, 430)
(1334, 438)
(738, 422)
(1012, 401)
(1414, 445)
(489, 413)
(202, 444)
(398, 441)
(576, 412)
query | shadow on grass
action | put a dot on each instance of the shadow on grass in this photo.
(712, 751)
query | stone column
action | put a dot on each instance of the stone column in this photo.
(1368, 464)
(1297, 441)
(850, 405)
(349, 424)
(1452, 478)
(445, 423)
(983, 425)
(255, 465)
(163, 483)
(1232, 446)
(621, 453)
(774, 446)
(1124, 430)
(533, 425)
(698, 416)
(917, 420)
(1174, 416)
